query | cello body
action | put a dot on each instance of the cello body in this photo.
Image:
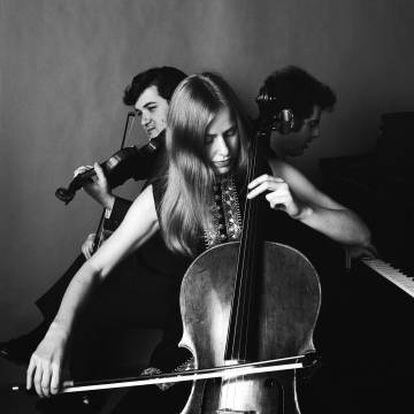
(287, 301)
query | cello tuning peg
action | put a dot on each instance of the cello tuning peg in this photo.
(263, 97)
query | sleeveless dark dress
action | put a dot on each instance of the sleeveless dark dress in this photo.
(168, 269)
(326, 255)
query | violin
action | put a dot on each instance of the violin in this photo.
(119, 167)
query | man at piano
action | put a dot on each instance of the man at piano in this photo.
(301, 100)
(344, 331)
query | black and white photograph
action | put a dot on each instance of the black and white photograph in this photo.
(206, 206)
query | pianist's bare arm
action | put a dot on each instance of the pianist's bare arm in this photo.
(321, 212)
(139, 225)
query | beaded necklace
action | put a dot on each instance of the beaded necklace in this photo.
(227, 218)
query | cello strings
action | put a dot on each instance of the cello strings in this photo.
(241, 267)
(249, 254)
(246, 269)
(235, 318)
(242, 294)
(243, 273)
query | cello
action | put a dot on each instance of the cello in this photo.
(248, 301)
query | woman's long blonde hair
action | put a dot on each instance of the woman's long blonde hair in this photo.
(185, 207)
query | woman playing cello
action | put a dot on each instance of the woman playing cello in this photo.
(195, 206)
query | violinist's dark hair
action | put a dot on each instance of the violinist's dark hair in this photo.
(299, 91)
(165, 78)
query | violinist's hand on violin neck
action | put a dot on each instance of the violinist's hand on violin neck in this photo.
(98, 188)
(81, 170)
(45, 367)
(277, 193)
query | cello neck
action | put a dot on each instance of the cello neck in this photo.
(241, 335)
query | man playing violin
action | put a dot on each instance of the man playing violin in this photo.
(149, 93)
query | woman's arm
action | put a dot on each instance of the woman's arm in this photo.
(290, 190)
(139, 225)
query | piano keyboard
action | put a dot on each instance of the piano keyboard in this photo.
(394, 275)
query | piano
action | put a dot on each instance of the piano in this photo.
(392, 274)
(367, 319)
(378, 186)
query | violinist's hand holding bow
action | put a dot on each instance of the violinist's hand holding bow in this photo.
(44, 371)
(99, 188)
(279, 196)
